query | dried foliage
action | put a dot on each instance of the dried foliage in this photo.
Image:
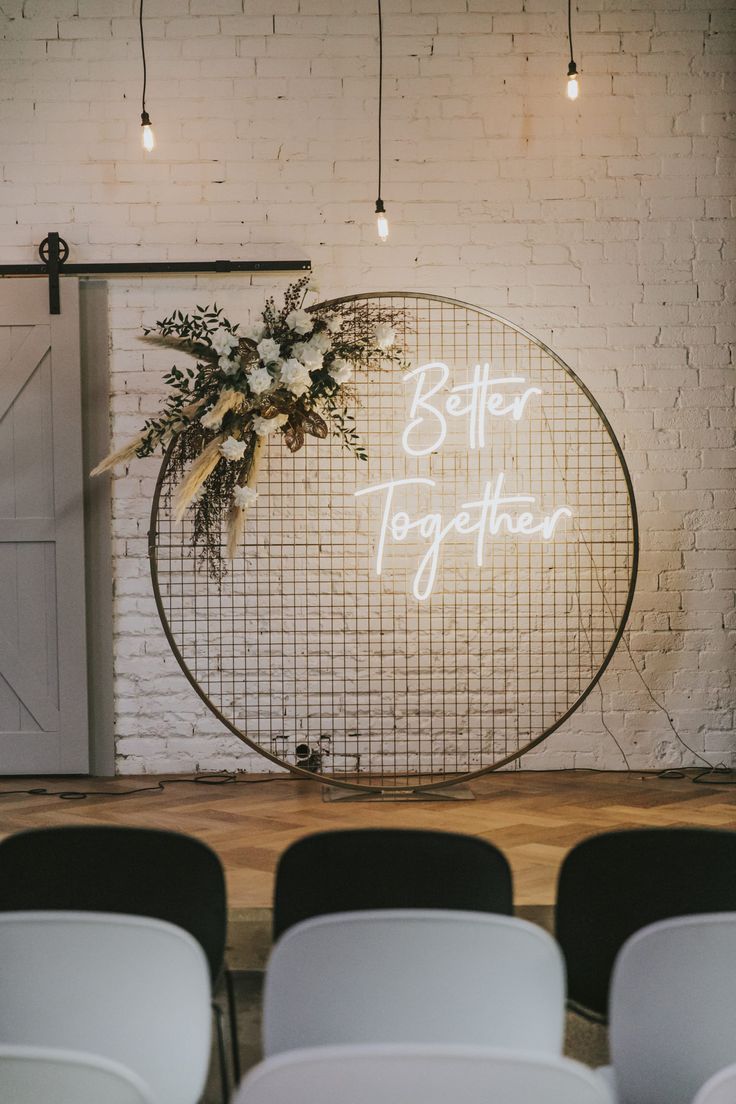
(285, 375)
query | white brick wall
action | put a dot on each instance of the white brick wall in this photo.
(601, 227)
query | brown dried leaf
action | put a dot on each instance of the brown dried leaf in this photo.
(294, 436)
(315, 425)
(276, 404)
(248, 352)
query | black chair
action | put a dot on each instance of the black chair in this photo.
(374, 868)
(134, 871)
(612, 885)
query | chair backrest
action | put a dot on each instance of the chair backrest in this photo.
(40, 1075)
(673, 1008)
(377, 868)
(131, 989)
(612, 885)
(719, 1089)
(414, 976)
(132, 871)
(419, 1075)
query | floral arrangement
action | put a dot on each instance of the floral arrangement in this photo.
(287, 375)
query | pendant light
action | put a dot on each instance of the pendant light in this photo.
(572, 69)
(381, 220)
(147, 133)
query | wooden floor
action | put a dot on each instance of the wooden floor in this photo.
(534, 817)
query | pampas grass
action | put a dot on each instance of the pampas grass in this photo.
(130, 450)
(127, 452)
(237, 514)
(200, 470)
(229, 399)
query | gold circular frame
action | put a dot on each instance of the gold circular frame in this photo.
(411, 782)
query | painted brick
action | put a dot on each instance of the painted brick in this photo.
(602, 227)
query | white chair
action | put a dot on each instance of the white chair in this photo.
(39, 1075)
(414, 976)
(719, 1089)
(419, 1075)
(673, 1008)
(127, 988)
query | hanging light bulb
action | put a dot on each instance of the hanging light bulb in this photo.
(147, 135)
(572, 70)
(148, 138)
(381, 220)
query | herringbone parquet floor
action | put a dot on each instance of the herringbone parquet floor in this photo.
(535, 817)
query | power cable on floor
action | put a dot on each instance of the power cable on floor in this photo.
(711, 768)
(219, 778)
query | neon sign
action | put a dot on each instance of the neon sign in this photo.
(494, 513)
(482, 400)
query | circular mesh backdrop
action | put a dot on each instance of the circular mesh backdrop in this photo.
(310, 655)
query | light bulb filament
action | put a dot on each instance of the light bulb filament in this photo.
(381, 220)
(147, 132)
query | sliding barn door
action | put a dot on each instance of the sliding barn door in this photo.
(43, 681)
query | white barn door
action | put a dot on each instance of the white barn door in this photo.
(43, 679)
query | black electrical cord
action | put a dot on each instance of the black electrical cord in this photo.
(609, 730)
(380, 208)
(380, 97)
(143, 58)
(220, 778)
(572, 69)
(711, 768)
(148, 141)
(227, 778)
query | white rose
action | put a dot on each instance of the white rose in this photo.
(268, 350)
(232, 449)
(228, 366)
(384, 335)
(300, 321)
(307, 354)
(211, 420)
(321, 341)
(259, 380)
(295, 377)
(223, 341)
(255, 331)
(334, 324)
(340, 370)
(264, 426)
(244, 497)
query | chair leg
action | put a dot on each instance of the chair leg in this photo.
(233, 1017)
(224, 1079)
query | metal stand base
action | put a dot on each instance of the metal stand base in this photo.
(459, 791)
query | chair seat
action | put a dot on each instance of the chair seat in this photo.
(355, 869)
(614, 884)
(133, 990)
(44, 1075)
(420, 1075)
(414, 976)
(608, 1077)
(719, 1089)
(673, 1008)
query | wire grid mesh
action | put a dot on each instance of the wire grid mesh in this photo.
(322, 664)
